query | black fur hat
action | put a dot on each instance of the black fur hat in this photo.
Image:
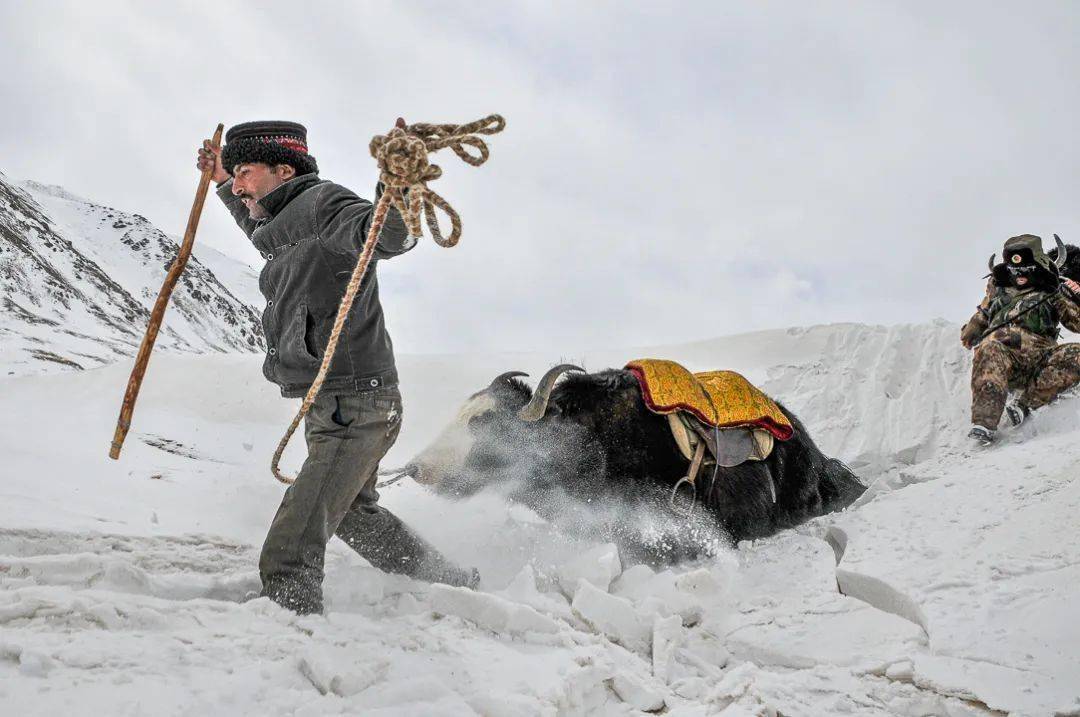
(1024, 255)
(270, 143)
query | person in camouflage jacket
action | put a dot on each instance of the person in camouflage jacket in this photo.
(1014, 335)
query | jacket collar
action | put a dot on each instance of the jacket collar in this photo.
(276, 200)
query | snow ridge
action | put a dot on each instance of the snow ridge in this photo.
(881, 396)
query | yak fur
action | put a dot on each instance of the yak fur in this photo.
(598, 444)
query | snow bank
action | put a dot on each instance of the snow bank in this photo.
(123, 584)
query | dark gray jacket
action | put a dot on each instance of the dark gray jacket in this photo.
(311, 243)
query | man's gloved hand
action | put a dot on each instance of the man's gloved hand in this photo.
(969, 334)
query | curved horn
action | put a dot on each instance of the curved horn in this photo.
(504, 377)
(1063, 252)
(537, 407)
(991, 262)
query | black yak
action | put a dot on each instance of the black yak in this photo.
(590, 437)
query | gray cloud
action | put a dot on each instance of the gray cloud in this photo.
(670, 171)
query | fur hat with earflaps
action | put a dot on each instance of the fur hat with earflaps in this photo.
(1023, 255)
(272, 143)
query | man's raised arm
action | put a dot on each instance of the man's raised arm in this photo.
(343, 220)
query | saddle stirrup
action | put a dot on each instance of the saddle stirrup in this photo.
(688, 480)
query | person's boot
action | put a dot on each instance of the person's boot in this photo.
(1017, 412)
(388, 544)
(300, 593)
(981, 435)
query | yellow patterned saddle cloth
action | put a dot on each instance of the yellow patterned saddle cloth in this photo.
(720, 399)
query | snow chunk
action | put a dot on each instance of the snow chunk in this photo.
(35, 664)
(584, 689)
(902, 671)
(334, 672)
(666, 594)
(490, 611)
(637, 695)
(735, 683)
(612, 616)
(667, 635)
(700, 582)
(522, 589)
(599, 566)
(632, 579)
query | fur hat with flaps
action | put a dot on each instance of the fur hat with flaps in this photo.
(1023, 255)
(272, 143)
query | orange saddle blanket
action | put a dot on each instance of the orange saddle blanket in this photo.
(724, 399)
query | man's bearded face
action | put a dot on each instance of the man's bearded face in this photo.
(253, 181)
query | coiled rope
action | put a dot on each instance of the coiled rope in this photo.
(404, 170)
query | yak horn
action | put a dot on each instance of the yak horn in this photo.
(537, 407)
(505, 377)
(991, 262)
(1063, 252)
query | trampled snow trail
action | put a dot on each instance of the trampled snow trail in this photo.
(123, 585)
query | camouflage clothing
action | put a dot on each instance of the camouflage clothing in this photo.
(1032, 310)
(1021, 356)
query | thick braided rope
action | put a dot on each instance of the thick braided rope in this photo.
(402, 155)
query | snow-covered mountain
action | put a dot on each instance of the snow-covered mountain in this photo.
(78, 280)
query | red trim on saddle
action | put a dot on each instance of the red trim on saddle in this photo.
(780, 432)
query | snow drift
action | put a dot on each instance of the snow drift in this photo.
(122, 584)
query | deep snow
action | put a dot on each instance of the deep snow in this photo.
(122, 583)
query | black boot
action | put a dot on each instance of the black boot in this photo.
(388, 544)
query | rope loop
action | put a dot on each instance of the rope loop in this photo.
(404, 169)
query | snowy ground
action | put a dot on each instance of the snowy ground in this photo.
(122, 583)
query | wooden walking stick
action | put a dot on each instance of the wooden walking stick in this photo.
(158, 313)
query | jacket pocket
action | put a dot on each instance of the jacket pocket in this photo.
(315, 328)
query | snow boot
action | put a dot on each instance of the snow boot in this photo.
(1017, 413)
(981, 435)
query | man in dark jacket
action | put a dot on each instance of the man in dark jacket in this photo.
(310, 232)
(1014, 334)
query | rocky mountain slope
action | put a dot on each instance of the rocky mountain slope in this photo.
(78, 280)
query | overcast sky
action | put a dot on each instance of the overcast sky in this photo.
(668, 171)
